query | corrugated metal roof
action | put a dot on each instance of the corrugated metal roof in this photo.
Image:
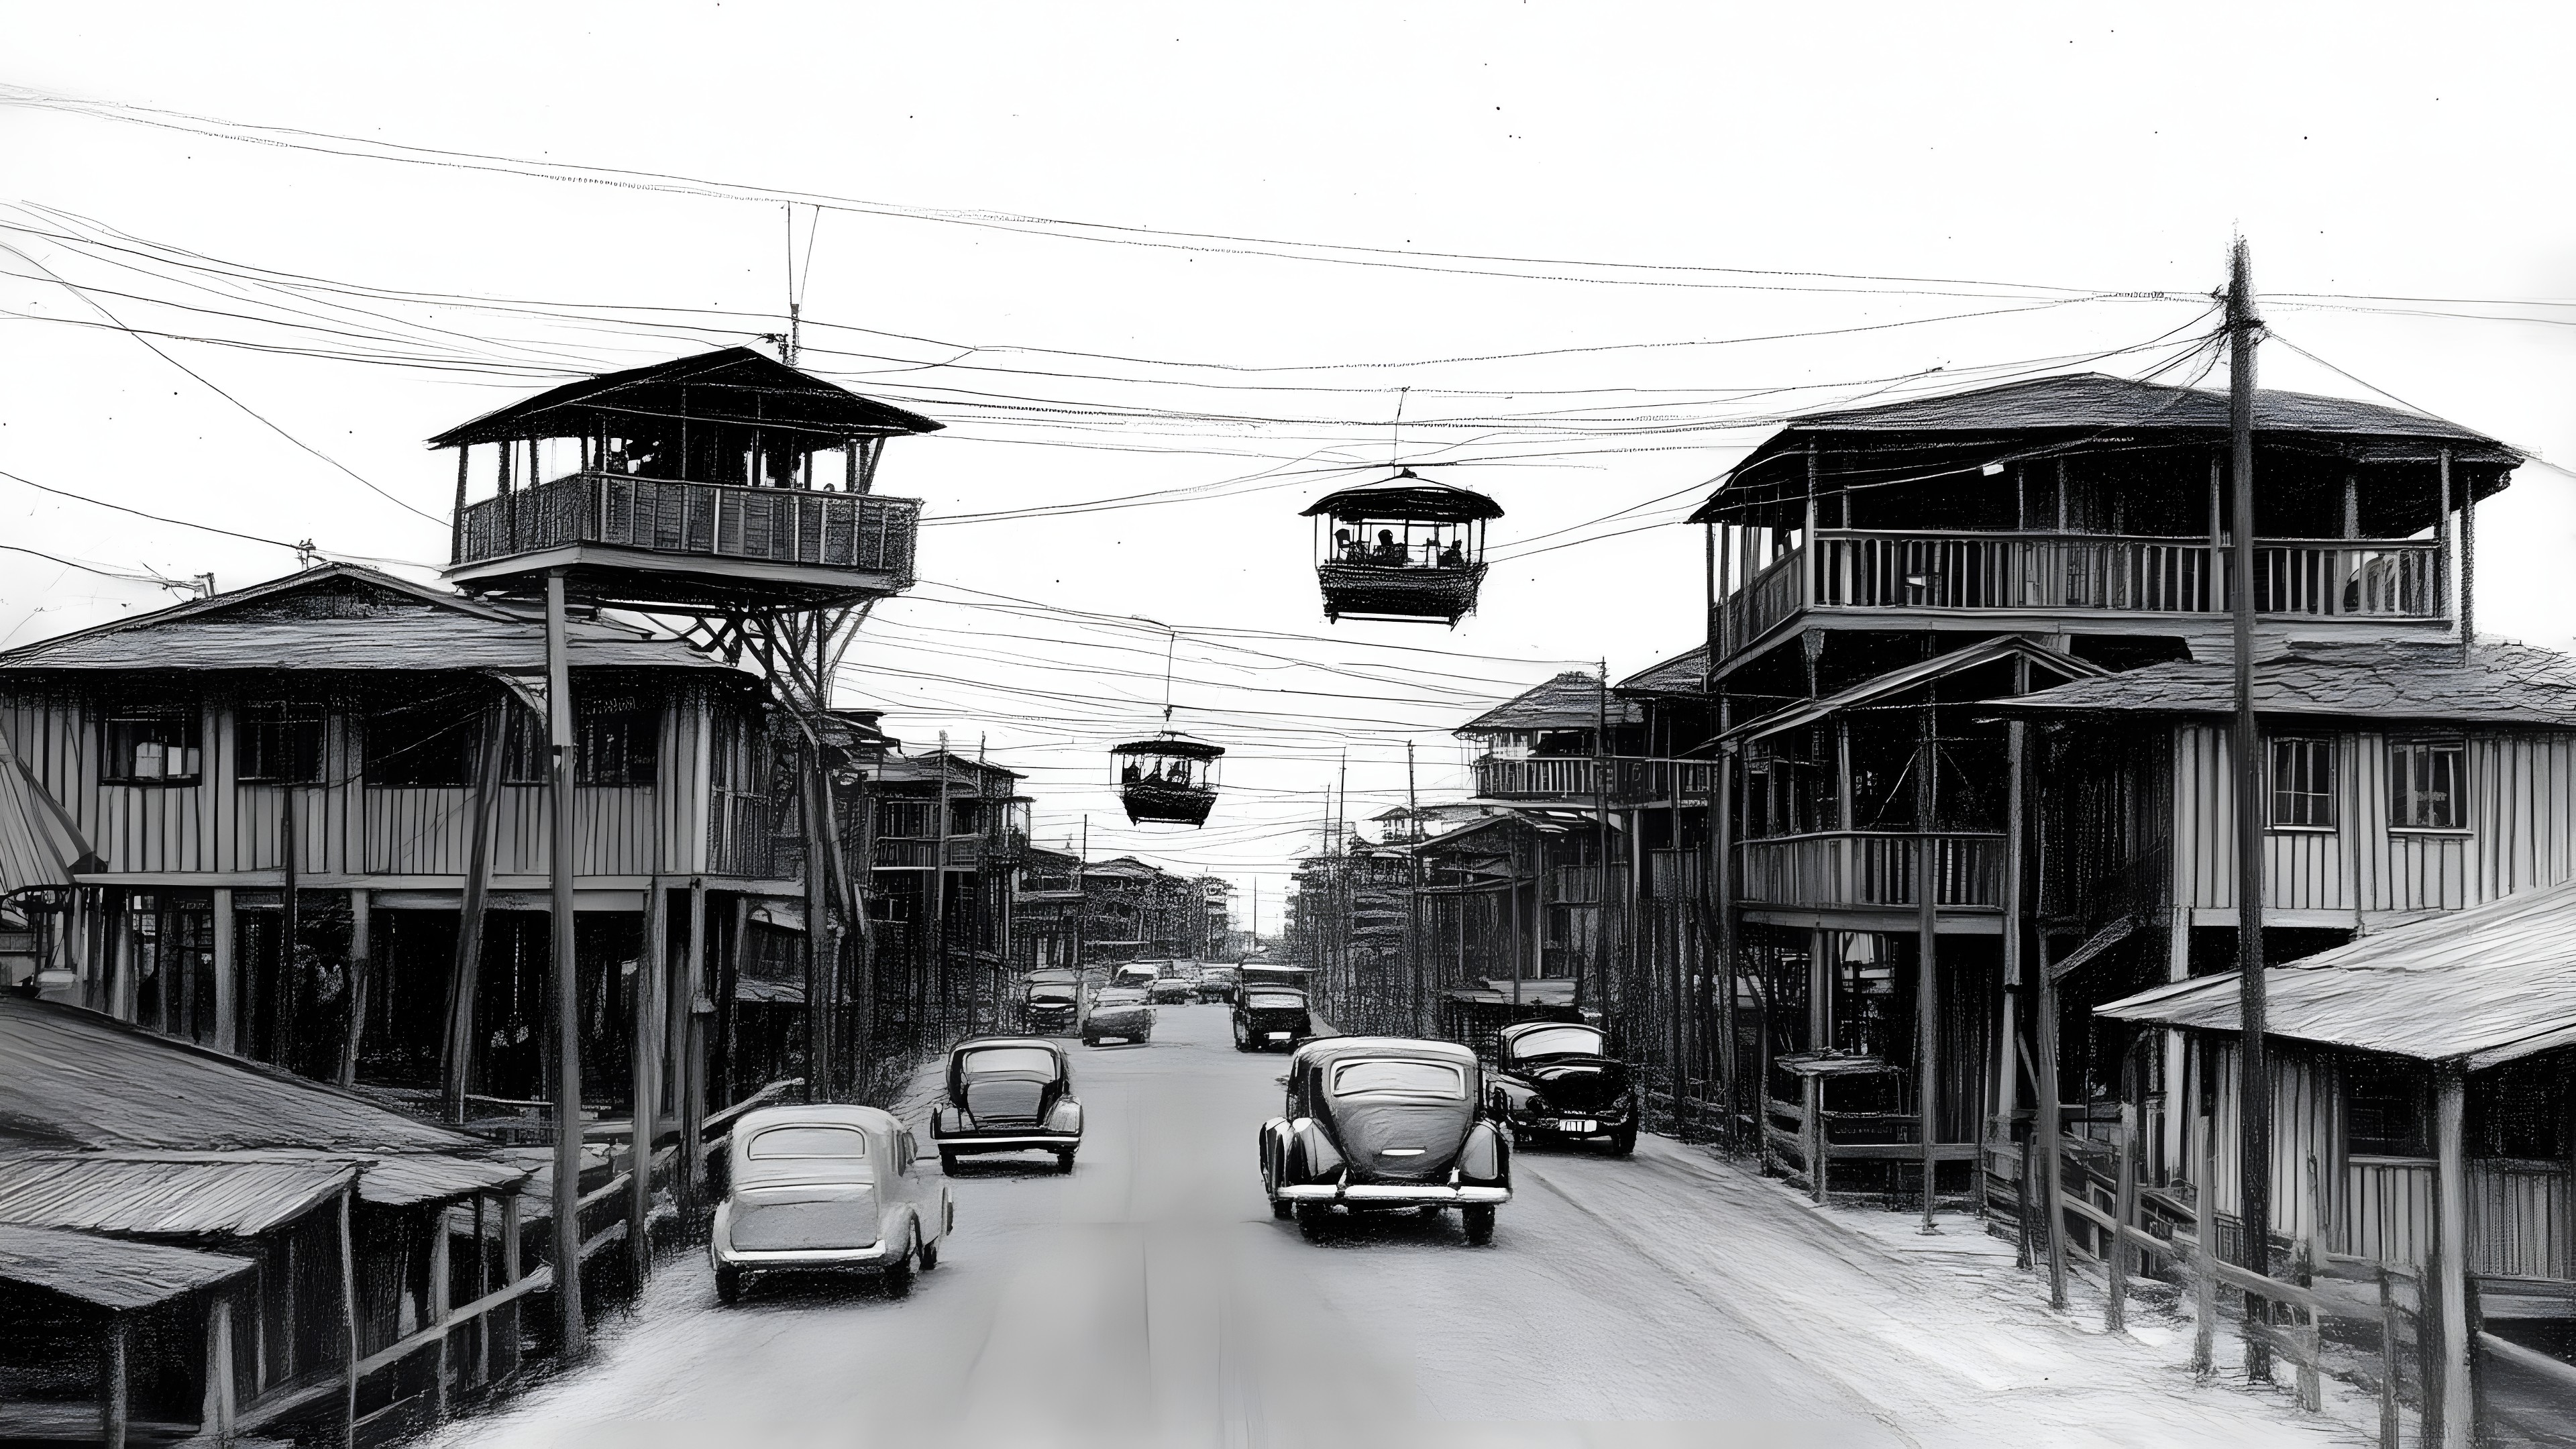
(2482, 986)
(239, 1197)
(1895, 680)
(344, 617)
(394, 1179)
(109, 1273)
(2500, 683)
(1570, 701)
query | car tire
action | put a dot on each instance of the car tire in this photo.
(1064, 1160)
(1089, 1040)
(1623, 1140)
(930, 1254)
(1314, 1221)
(948, 1160)
(728, 1285)
(898, 1277)
(1479, 1220)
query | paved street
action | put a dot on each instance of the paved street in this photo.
(1150, 1299)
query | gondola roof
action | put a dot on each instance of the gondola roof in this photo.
(1407, 496)
(1180, 746)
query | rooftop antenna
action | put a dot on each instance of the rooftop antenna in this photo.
(1395, 441)
(787, 345)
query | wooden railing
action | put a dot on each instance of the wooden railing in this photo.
(898, 852)
(860, 531)
(1630, 779)
(1870, 868)
(1853, 569)
(1559, 778)
(1637, 780)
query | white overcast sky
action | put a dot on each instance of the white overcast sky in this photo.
(2009, 156)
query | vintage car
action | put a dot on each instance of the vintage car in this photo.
(1119, 1013)
(1007, 1094)
(826, 1188)
(1177, 986)
(1140, 975)
(1555, 1080)
(1270, 1016)
(1384, 1124)
(1051, 1004)
(1216, 983)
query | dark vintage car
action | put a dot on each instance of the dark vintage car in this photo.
(1270, 1016)
(1216, 983)
(1007, 1094)
(1556, 1081)
(1177, 986)
(1119, 1013)
(1385, 1124)
(1051, 1004)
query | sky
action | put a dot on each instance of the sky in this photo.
(1169, 273)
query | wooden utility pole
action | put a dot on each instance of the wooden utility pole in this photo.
(1927, 954)
(570, 1330)
(939, 890)
(2254, 1082)
(466, 981)
(1413, 902)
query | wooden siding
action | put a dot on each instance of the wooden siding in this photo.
(2520, 829)
(344, 827)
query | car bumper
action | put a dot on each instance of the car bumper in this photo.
(871, 1259)
(1394, 1194)
(1005, 1141)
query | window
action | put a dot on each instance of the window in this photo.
(280, 744)
(618, 741)
(427, 745)
(2424, 780)
(1386, 1077)
(2384, 1109)
(2303, 784)
(149, 745)
(809, 1141)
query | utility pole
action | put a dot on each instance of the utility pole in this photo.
(939, 891)
(2254, 1084)
(1413, 902)
(570, 1331)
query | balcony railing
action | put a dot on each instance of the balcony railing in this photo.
(1563, 778)
(861, 531)
(1632, 779)
(1851, 569)
(1864, 868)
(899, 852)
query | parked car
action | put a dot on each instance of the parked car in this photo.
(1557, 1080)
(1271, 1016)
(1119, 1013)
(1051, 1007)
(1007, 1094)
(1217, 983)
(1138, 974)
(1173, 990)
(826, 1188)
(1384, 1124)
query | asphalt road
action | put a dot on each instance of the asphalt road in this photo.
(1150, 1299)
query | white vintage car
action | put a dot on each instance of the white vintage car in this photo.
(826, 1188)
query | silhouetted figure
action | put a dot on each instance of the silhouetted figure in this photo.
(1389, 551)
(1455, 555)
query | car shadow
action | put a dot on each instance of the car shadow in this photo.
(793, 1291)
(1361, 1230)
(996, 1165)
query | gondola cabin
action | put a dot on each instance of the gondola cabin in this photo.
(1404, 548)
(1169, 779)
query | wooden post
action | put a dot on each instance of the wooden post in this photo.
(361, 969)
(464, 980)
(2254, 1095)
(1927, 956)
(2124, 1212)
(693, 1057)
(571, 1332)
(2046, 1122)
(652, 984)
(112, 1385)
(215, 1418)
(227, 975)
(348, 1319)
(485, 1225)
(505, 1331)
(2390, 1414)
(2204, 1199)
(2303, 1271)
(2468, 556)
(2449, 1321)
(822, 975)
(2016, 811)
(442, 1289)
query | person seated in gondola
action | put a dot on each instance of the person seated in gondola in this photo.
(1389, 552)
(1351, 549)
(1130, 775)
(1455, 555)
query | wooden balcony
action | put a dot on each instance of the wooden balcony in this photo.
(1566, 778)
(964, 852)
(2376, 580)
(1630, 780)
(649, 540)
(1850, 868)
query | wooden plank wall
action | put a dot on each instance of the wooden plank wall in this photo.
(2521, 829)
(221, 826)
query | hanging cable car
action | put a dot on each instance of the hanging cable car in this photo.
(1401, 548)
(1171, 778)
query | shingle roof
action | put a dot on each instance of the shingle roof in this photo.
(1684, 673)
(108, 1272)
(1570, 701)
(345, 617)
(2483, 986)
(2499, 683)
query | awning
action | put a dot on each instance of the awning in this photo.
(235, 1197)
(2066, 666)
(405, 1180)
(2481, 987)
(39, 845)
(110, 1273)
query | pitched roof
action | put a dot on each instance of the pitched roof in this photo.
(2481, 987)
(730, 384)
(108, 1272)
(346, 617)
(1986, 651)
(1570, 701)
(1407, 495)
(2499, 683)
(239, 1197)
(1684, 673)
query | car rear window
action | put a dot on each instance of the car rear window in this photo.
(1274, 1000)
(808, 1141)
(1392, 1077)
(1558, 1041)
(1011, 1059)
